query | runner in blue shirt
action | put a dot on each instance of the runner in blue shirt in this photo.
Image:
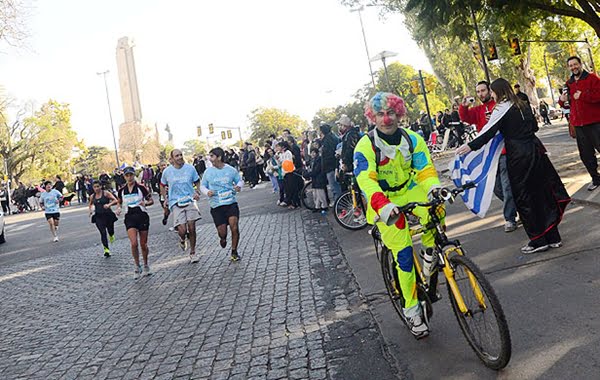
(220, 183)
(180, 179)
(50, 201)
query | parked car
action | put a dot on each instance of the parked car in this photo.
(2, 238)
(554, 113)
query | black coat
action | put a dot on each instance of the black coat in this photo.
(349, 142)
(328, 145)
(318, 177)
(539, 193)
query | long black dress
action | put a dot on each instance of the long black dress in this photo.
(540, 196)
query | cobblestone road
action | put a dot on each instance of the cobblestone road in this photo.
(290, 309)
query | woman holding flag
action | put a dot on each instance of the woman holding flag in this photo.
(539, 193)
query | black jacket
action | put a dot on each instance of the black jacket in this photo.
(319, 179)
(349, 142)
(329, 143)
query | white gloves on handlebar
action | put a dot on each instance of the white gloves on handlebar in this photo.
(384, 214)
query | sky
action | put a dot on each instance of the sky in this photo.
(199, 62)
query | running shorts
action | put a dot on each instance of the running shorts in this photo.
(222, 214)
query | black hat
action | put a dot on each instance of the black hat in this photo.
(129, 170)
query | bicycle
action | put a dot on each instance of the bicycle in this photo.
(306, 196)
(471, 295)
(349, 209)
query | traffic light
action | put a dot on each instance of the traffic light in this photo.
(492, 52)
(229, 135)
(515, 47)
(199, 130)
(415, 87)
(222, 135)
(211, 129)
(429, 84)
(476, 51)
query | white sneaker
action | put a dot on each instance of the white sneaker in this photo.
(137, 272)
(194, 258)
(416, 322)
(146, 271)
(55, 239)
(417, 326)
(183, 244)
(510, 226)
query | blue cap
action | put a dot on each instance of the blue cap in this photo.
(129, 170)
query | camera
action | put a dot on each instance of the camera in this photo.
(471, 100)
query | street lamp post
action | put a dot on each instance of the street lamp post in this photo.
(112, 127)
(382, 56)
(362, 28)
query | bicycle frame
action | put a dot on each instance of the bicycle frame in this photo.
(444, 248)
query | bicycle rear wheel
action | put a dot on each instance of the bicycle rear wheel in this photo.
(348, 216)
(484, 327)
(306, 196)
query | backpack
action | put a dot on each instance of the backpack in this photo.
(411, 149)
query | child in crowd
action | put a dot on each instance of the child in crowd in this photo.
(319, 181)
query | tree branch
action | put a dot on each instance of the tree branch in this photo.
(570, 12)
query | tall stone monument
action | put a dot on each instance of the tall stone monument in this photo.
(138, 140)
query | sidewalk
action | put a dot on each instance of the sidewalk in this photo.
(291, 309)
(562, 150)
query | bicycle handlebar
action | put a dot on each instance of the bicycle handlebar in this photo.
(442, 195)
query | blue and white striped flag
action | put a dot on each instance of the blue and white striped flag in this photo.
(480, 167)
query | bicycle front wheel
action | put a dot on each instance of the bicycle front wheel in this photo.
(306, 196)
(483, 323)
(348, 216)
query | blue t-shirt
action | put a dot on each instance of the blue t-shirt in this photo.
(221, 182)
(181, 184)
(51, 201)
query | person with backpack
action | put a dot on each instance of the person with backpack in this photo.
(393, 167)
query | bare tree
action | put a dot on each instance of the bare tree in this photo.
(13, 22)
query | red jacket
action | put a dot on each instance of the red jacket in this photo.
(586, 109)
(476, 115)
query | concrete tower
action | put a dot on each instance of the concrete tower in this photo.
(138, 140)
(130, 95)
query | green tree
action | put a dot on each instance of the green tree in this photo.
(39, 146)
(94, 160)
(267, 121)
(193, 147)
(400, 77)
(53, 126)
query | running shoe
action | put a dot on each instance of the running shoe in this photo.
(55, 239)
(529, 249)
(137, 272)
(556, 245)
(183, 244)
(111, 238)
(235, 256)
(343, 214)
(146, 271)
(194, 258)
(106, 252)
(223, 243)
(165, 219)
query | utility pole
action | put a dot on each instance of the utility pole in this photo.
(112, 127)
(485, 68)
(425, 98)
(589, 49)
(359, 10)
